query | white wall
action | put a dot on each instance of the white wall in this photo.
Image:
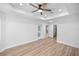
(68, 26)
(68, 30)
(2, 30)
(19, 30)
(20, 33)
(0, 33)
(68, 34)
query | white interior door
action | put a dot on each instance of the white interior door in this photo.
(50, 30)
(41, 31)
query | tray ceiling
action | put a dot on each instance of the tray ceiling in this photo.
(59, 10)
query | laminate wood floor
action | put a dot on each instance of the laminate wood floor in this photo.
(42, 47)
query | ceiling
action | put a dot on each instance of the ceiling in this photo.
(59, 9)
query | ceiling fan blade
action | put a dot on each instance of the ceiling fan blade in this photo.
(33, 5)
(34, 10)
(47, 10)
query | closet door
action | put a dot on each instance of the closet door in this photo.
(41, 31)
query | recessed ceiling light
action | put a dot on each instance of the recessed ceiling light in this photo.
(60, 10)
(21, 4)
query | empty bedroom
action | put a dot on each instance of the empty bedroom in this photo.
(39, 29)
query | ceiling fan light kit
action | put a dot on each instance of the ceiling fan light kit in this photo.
(39, 11)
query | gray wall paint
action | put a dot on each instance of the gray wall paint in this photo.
(68, 26)
(68, 34)
(0, 34)
(20, 33)
(68, 30)
(18, 30)
(2, 30)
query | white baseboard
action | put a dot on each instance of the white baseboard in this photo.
(2, 50)
(76, 46)
(16, 45)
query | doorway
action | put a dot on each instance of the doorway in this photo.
(55, 32)
(46, 31)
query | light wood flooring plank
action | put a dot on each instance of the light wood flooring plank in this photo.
(42, 47)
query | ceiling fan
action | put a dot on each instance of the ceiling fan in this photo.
(40, 8)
